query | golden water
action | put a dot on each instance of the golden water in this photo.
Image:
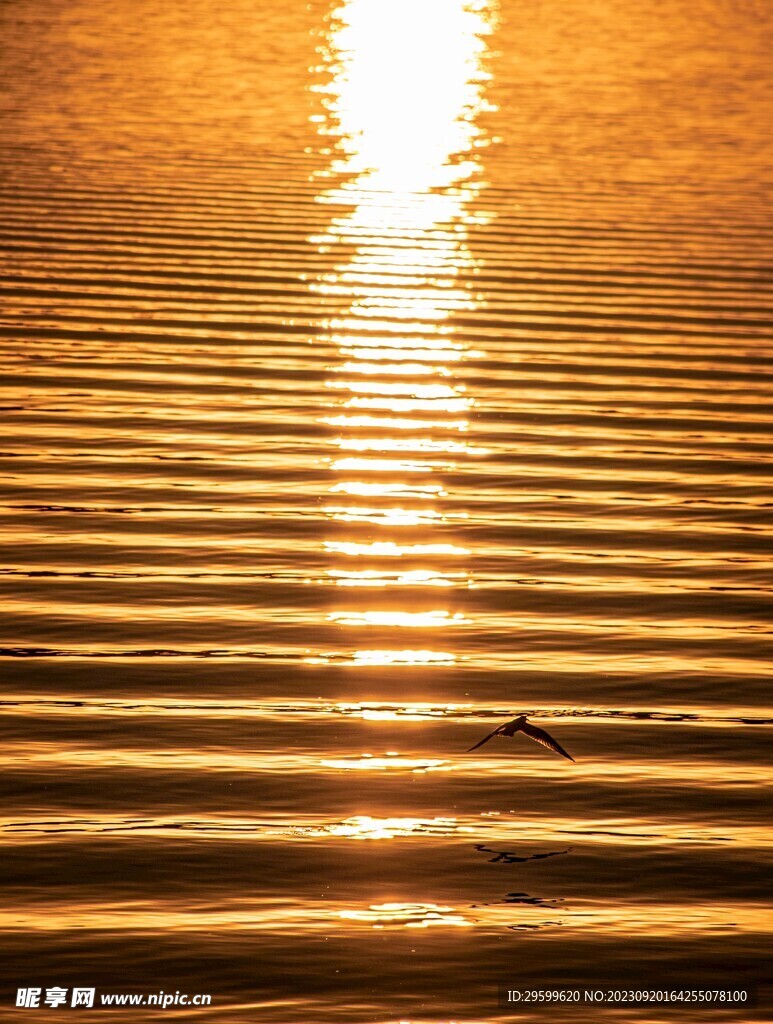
(373, 373)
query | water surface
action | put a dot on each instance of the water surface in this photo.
(373, 373)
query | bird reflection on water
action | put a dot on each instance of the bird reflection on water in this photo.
(506, 857)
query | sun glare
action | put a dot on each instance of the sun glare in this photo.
(402, 89)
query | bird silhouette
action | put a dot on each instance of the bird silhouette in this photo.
(520, 724)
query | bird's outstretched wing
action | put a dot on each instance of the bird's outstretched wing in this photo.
(542, 737)
(485, 739)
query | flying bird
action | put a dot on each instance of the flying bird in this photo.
(520, 724)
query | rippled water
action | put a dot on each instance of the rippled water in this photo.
(374, 373)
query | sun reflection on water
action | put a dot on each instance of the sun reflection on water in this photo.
(391, 549)
(412, 620)
(410, 578)
(407, 657)
(392, 762)
(379, 657)
(366, 827)
(406, 915)
(402, 88)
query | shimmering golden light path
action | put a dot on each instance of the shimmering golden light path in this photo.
(403, 90)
